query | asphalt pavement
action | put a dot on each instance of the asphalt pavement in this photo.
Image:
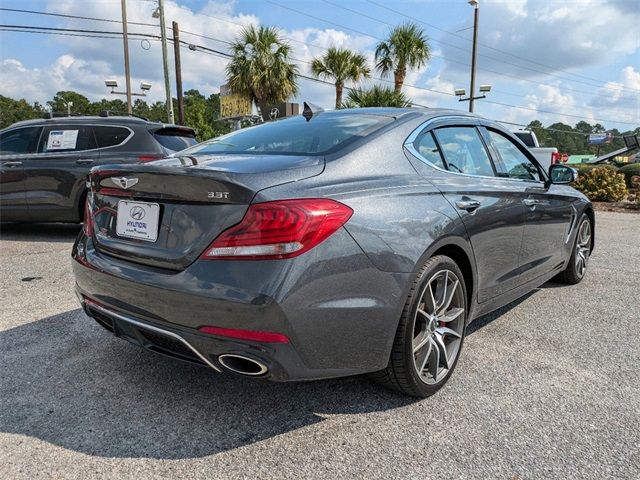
(547, 387)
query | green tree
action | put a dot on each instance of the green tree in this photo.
(81, 104)
(261, 67)
(406, 47)
(377, 96)
(12, 111)
(340, 65)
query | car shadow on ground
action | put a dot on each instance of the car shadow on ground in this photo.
(68, 382)
(39, 232)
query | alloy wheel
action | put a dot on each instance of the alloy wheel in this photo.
(438, 327)
(583, 247)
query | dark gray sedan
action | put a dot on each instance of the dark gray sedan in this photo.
(336, 243)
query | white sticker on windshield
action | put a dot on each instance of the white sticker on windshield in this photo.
(62, 139)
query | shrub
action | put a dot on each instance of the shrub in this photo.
(629, 171)
(587, 167)
(602, 185)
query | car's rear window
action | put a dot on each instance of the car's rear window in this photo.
(295, 136)
(174, 140)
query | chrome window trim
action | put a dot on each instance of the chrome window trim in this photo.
(146, 326)
(472, 122)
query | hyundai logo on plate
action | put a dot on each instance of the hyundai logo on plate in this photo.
(137, 213)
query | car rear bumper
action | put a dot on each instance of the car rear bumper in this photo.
(340, 318)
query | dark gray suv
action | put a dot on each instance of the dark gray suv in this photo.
(44, 163)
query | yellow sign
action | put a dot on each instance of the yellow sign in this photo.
(234, 106)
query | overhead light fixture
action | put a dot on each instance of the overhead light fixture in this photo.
(485, 88)
(145, 86)
(111, 83)
(460, 92)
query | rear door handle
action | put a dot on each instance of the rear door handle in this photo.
(468, 205)
(531, 202)
(11, 164)
(84, 161)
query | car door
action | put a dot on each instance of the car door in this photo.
(548, 212)
(55, 176)
(17, 145)
(490, 208)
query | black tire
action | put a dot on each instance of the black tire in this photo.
(574, 273)
(402, 373)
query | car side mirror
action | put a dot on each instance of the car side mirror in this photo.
(562, 175)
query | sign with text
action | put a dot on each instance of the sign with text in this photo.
(234, 105)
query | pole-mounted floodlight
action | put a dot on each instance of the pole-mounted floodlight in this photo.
(460, 92)
(113, 84)
(485, 88)
(474, 3)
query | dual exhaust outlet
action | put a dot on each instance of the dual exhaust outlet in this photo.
(242, 365)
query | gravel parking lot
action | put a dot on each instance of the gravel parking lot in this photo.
(548, 387)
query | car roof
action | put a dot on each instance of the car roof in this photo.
(400, 112)
(103, 120)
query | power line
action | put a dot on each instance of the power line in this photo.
(96, 19)
(34, 29)
(493, 48)
(466, 50)
(359, 32)
(186, 32)
(322, 47)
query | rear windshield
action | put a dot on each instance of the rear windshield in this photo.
(174, 140)
(295, 136)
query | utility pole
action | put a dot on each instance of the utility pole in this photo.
(476, 10)
(165, 62)
(125, 38)
(176, 55)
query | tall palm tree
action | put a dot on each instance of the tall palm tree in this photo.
(261, 67)
(406, 47)
(340, 65)
(377, 96)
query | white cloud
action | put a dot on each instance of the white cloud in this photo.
(620, 99)
(560, 35)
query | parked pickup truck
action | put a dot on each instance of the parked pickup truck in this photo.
(545, 156)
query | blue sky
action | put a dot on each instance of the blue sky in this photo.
(577, 59)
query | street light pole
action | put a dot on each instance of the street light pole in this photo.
(476, 8)
(125, 38)
(165, 62)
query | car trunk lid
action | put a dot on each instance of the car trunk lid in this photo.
(183, 203)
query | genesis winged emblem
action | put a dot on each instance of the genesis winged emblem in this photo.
(124, 182)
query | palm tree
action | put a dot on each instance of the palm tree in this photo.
(261, 67)
(377, 96)
(340, 65)
(406, 47)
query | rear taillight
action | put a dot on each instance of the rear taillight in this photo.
(280, 229)
(150, 158)
(87, 221)
(555, 157)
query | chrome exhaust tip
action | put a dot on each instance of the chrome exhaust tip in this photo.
(242, 365)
